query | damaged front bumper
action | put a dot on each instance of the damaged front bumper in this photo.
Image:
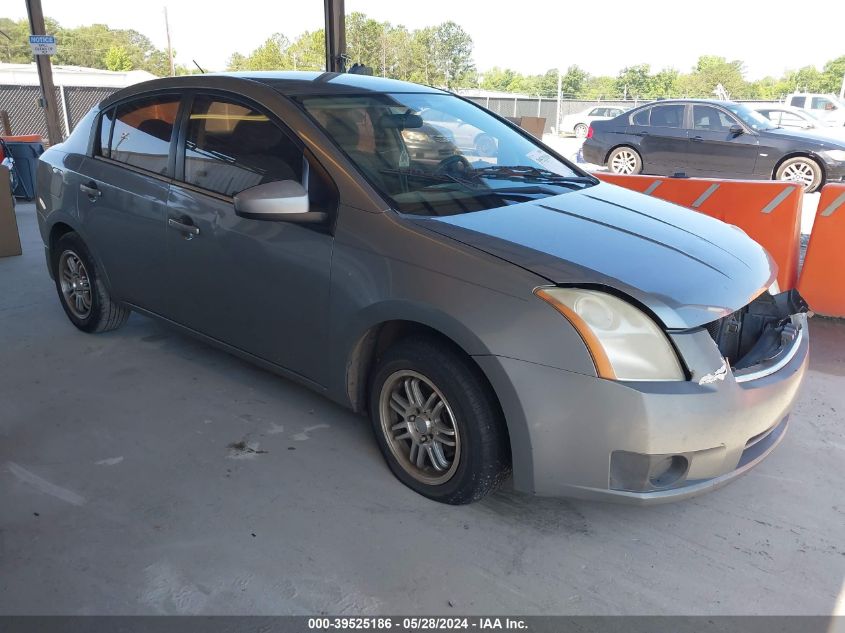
(653, 442)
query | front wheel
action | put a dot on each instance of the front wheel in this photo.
(437, 422)
(805, 171)
(624, 160)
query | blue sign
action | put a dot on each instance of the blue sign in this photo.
(42, 44)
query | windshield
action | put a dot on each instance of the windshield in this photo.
(435, 154)
(751, 118)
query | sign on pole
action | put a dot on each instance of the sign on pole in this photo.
(42, 44)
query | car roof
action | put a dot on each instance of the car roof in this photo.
(290, 83)
(716, 102)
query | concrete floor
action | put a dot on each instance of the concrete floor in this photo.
(119, 494)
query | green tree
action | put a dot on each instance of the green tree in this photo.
(664, 84)
(498, 79)
(453, 55)
(603, 87)
(834, 72)
(308, 51)
(364, 40)
(573, 82)
(807, 79)
(711, 70)
(117, 58)
(634, 81)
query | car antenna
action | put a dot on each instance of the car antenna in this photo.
(198, 66)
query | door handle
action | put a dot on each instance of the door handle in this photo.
(91, 190)
(188, 229)
(696, 139)
(640, 133)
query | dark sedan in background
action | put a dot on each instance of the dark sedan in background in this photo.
(719, 139)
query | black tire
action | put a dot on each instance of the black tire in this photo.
(803, 170)
(483, 451)
(625, 160)
(100, 313)
(580, 131)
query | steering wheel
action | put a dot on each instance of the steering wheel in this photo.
(456, 165)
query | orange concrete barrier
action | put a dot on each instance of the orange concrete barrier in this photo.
(769, 211)
(822, 281)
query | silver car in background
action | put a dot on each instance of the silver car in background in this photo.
(493, 312)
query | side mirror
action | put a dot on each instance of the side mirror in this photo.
(736, 129)
(280, 201)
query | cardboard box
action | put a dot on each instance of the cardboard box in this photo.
(10, 241)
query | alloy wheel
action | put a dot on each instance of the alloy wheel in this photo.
(419, 427)
(75, 284)
(800, 172)
(623, 162)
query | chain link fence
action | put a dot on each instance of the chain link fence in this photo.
(27, 117)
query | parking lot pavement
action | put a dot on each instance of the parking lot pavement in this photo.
(144, 472)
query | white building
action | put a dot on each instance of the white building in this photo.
(27, 75)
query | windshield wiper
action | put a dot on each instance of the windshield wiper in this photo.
(530, 174)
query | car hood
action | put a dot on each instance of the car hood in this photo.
(687, 268)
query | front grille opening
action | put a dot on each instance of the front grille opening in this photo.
(753, 334)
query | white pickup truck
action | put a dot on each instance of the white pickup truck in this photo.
(828, 107)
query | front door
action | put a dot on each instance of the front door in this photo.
(258, 285)
(715, 150)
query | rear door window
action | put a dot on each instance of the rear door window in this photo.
(667, 115)
(797, 102)
(142, 132)
(232, 146)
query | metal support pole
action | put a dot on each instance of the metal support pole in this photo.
(64, 109)
(559, 95)
(335, 35)
(45, 75)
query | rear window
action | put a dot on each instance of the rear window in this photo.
(139, 132)
(641, 117)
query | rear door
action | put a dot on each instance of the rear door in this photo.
(715, 150)
(664, 141)
(122, 197)
(258, 285)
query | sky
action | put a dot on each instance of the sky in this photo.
(529, 36)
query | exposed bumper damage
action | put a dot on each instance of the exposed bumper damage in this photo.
(650, 442)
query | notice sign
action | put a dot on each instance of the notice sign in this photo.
(42, 44)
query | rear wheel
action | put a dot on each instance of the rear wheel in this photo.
(803, 170)
(624, 160)
(580, 130)
(437, 422)
(82, 292)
